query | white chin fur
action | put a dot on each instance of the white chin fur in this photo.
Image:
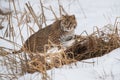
(68, 30)
(68, 43)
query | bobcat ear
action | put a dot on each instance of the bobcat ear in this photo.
(63, 16)
(73, 16)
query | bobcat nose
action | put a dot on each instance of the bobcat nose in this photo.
(75, 25)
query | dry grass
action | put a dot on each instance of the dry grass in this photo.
(90, 46)
(19, 64)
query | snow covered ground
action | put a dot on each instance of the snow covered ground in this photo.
(89, 13)
(104, 68)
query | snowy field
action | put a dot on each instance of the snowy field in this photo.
(89, 13)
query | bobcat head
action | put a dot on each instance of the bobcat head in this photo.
(68, 23)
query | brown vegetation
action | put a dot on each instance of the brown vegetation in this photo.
(95, 45)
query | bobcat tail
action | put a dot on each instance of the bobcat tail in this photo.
(4, 53)
(16, 52)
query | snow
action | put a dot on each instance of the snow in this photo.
(104, 68)
(89, 13)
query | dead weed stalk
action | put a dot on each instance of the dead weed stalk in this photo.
(97, 44)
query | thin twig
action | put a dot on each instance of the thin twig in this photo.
(33, 15)
(53, 13)
(43, 15)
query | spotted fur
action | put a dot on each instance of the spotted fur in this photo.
(60, 31)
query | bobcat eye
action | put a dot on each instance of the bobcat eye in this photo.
(66, 23)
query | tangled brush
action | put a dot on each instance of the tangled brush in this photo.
(97, 44)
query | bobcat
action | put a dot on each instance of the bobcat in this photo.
(60, 32)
